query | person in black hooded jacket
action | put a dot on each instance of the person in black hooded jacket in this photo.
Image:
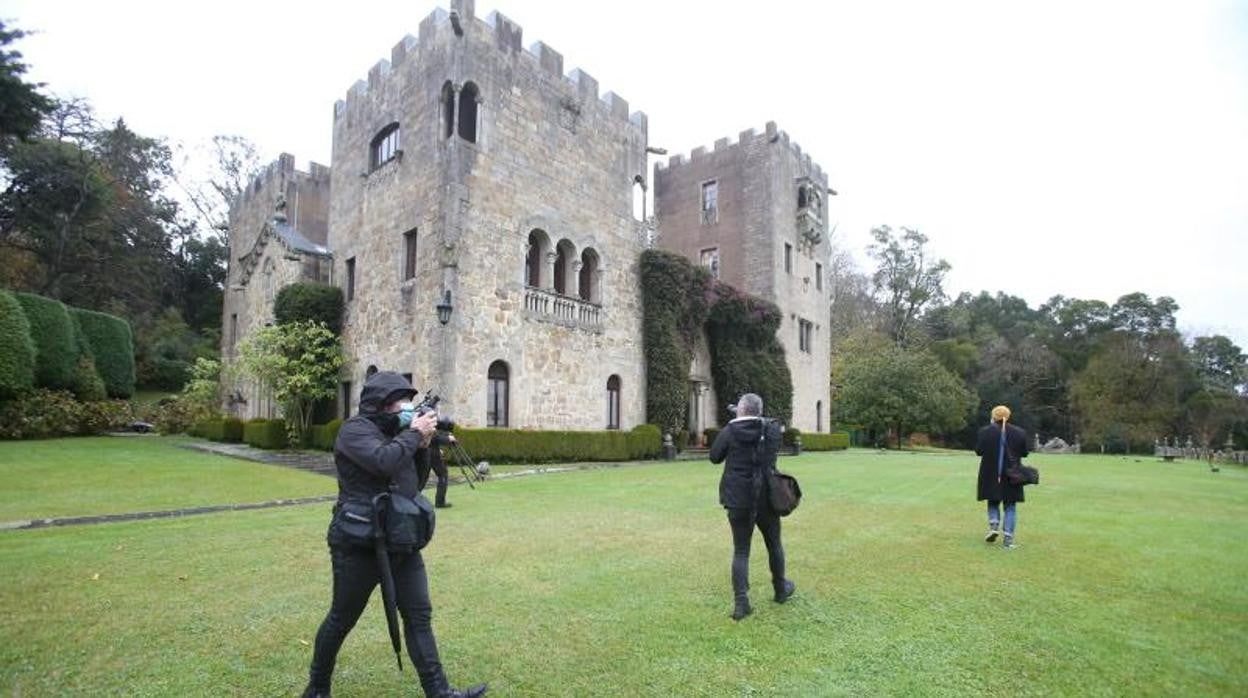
(378, 451)
(748, 447)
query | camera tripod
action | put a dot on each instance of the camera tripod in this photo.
(466, 467)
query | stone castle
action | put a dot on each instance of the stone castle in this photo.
(473, 173)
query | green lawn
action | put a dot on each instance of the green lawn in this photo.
(109, 475)
(1130, 581)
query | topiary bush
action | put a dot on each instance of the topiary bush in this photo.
(310, 301)
(86, 383)
(324, 435)
(112, 348)
(791, 435)
(265, 433)
(836, 441)
(17, 349)
(56, 349)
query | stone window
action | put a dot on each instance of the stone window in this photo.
(468, 97)
(818, 276)
(233, 330)
(350, 290)
(613, 402)
(801, 196)
(639, 198)
(496, 395)
(819, 415)
(385, 146)
(409, 254)
(788, 258)
(268, 279)
(448, 109)
(565, 252)
(710, 260)
(346, 399)
(588, 289)
(535, 257)
(710, 202)
(804, 331)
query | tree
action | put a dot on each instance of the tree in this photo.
(1220, 364)
(884, 387)
(299, 362)
(853, 307)
(22, 107)
(905, 278)
(229, 164)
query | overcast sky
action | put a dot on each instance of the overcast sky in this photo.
(1085, 148)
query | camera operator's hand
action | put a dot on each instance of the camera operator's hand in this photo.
(451, 439)
(425, 424)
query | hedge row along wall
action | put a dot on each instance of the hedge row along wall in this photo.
(17, 351)
(56, 343)
(265, 433)
(518, 445)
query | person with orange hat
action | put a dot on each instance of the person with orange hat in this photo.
(999, 446)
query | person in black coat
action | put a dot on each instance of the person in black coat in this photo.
(992, 485)
(747, 447)
(378, 450)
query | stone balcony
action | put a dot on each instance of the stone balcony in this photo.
(547, 306)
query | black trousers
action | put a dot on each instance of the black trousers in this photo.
(438, 464)
(742, 522)
(355, 576)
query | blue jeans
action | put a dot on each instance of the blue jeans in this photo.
(994, 516)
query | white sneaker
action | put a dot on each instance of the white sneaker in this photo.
(992, 535)
(1009, 544)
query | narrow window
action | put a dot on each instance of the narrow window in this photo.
(233, 329)
(589, 270)
(496, 395)
(351, 279)
(819, 416)
(639, 199)
(804, 335)
(788, 258)
(613, 402)
(409, 254)
(346, 399)
(385, 146)
(468, 112)
(818, 276)
(448, 109)
(710, 260)
(710, 202)
(564, 254)
(801, 197)
(533, 259)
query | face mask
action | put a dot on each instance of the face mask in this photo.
(407, 412)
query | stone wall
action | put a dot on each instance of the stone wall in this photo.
(549, 154)
(758, 177)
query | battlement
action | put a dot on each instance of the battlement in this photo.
(278, 172)
(770, 134)
(507, 37)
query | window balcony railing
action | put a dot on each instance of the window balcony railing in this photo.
(548, 306)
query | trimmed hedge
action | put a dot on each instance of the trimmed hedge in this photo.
(211, 429)
(310, 301)
(112, 347)
(56, 350)
(265, 433)
(790, 436)
(518, 445)
(710, 435)
(836, 441)
(324, 435)
(86, 383)
(232, 430)
(17, 350)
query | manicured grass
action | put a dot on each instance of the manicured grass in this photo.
(108, 475)
(1129, 581)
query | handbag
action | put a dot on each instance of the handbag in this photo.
(783, 492)
(1015, 474)
(408, 522)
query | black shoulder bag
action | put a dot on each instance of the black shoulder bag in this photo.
(1016, 474)
(783, 492)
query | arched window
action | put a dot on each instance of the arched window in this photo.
(385, 146)
(565, 252)
(819, 416)
(589, 274)
(535, 258)
(448, 109)
(613, 402)
(496, 395)
(468, 112)
(639, 199)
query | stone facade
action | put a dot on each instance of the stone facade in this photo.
(755, 211)
(278, 231)
(469, 165)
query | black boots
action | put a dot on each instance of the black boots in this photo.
(742, 607)
(784, 590)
